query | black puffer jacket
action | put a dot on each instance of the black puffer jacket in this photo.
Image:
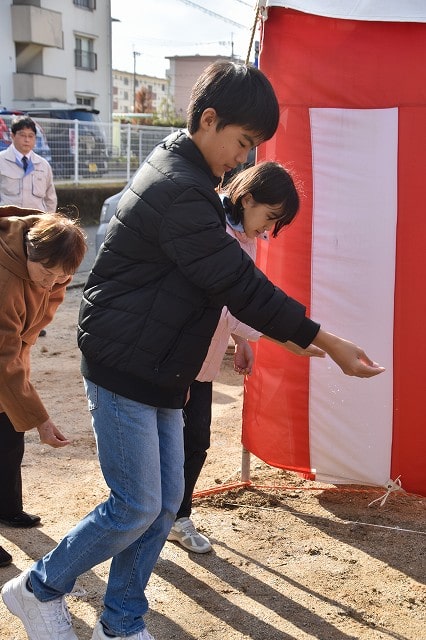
(167, 267)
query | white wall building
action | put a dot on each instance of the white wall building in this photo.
(56, 54)
(123, 89)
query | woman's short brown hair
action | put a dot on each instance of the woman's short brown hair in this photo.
(56, 240)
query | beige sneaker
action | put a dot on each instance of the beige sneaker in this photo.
(184, 532)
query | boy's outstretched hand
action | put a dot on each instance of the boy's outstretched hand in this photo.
(352, 360)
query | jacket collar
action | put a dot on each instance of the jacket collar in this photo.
(181, 143)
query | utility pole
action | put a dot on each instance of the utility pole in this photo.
(135, 54)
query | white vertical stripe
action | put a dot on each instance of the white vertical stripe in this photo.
(354, 156)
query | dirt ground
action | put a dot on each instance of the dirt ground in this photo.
(296, 561)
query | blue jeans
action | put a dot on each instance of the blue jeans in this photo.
(141, 455)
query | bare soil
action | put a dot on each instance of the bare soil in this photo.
(291, 559)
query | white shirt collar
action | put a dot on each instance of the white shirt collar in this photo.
(20, 155)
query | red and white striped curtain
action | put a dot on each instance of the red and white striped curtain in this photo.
(353, 131)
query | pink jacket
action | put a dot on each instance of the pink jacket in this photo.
(227, 323)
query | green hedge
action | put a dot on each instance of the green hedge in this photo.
(87, 198)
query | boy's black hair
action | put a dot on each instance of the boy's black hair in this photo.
(240, 94)
(23, 122)
(268, 183)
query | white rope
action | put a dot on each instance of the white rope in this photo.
(391, 486)
(304, 516)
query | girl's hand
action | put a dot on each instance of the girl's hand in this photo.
(243, 356)
(311, 351)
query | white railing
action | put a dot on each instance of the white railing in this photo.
(82, 151)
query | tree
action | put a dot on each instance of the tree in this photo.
(166, 115)
(143, 104)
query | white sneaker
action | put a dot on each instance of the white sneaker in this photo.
(99, 634)
(184, 532)
(42, 620)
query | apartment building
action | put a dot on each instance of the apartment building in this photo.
(183, 72)
(125, 84)
(56, 54)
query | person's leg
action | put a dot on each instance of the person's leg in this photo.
(131, 448)
(12, 451)
(129, 454)
(125, 602)
(5, 558)
(197, 419)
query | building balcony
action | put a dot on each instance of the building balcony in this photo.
(33, 86)
(34, 25)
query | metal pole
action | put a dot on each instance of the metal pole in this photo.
(245, 465)
(135, 53)
(76, 151)
(129, 149)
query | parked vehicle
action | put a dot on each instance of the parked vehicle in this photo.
(108, 209)
(41, 146)
(85, 146)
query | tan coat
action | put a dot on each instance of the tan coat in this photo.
(24, 310)
(34, 190)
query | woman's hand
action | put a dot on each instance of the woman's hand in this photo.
(50, 434)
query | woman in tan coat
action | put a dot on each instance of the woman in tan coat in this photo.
(39, 253)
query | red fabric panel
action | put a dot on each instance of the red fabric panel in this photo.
(322, 62)
(275, 414)
(409, 427)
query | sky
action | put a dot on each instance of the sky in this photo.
(177, 27)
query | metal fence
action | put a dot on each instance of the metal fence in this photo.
(82, 151)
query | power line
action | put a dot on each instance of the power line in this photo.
(213, 14)
(167, 43)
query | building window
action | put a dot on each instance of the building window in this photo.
(85, 57)
(126, 81)
(85, 101)
(86, 4)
